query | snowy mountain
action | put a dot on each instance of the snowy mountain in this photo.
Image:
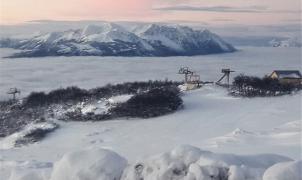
(109, 39)
(183, 40)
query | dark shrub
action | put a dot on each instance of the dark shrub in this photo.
(35, 135)
(78, 116)
(130, 88)
(250, 86)
(156, 102)
(76, 94)
(56, 96)
(36, 99)
(70, 93)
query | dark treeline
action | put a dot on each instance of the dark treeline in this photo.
(251, 86)
(64, 95)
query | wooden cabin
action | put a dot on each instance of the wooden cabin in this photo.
(287, 76)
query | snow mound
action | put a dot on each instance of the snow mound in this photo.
(191, 163)
(285, 170)
(93, 164)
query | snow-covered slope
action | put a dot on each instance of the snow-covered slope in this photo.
(109, 39)
(208, 113)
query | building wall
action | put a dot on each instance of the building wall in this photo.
(295, 81)
(291, 81)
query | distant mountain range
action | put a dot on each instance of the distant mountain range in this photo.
(264, 41)
(109, 39)
(288, 42)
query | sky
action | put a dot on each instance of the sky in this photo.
(206, 11)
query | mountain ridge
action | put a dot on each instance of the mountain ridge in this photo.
(110, 39)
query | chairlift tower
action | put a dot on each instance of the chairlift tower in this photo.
(13, 92)
(226, 73)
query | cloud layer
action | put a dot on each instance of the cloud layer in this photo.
(225, 9)
(215, 8)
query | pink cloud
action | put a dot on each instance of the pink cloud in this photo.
(14, 11)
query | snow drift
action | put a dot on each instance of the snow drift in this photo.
(182, 163)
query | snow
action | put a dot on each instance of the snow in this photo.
(206, 116)
(287, 170)
(92, 164)
(236, 133)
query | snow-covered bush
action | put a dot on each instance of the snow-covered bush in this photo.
(93, 164)
(130, 88)
(75, 94)
(40, 105)
(31, 133)
(36, 132)
(191, 163)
